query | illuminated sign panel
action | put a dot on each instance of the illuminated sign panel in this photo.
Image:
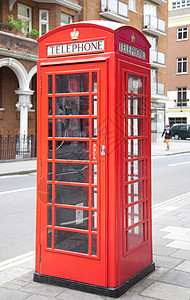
(132, 50)
(73, 48)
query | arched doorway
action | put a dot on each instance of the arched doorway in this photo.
(17, 117)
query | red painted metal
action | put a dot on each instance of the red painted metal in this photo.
(94, 158)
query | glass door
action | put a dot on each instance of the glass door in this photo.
(136, 169)
(73, 211)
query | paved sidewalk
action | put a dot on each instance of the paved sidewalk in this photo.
(176, 147)
(17, 167)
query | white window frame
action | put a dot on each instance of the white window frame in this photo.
(181, 61)
(43, 22)
(182, 96)
(180, 4)
(26, 19)
(132, 5)
(182, 30)
(71, 19)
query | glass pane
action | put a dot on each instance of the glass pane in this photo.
(49, 171)
(72, 128)
(66, 19)
(23, 11)
(135, 170)
(94, 174)
(44, 15)
(135, 127)
(49, 215)
(72, 150)
(49, 149)
(71, 241)
(94, 221)
(135, 84)
(94, 82)
(49, 193)
(49, 238)
(72, 172)
(50, 106)
(94, 245)
(94, 197)
(49, 84)
(94, 128)
(50, 122)
(135, 214)
(94, 105)
(125, 82)
(125, 104)
(135, 236)
(135, 105)
(135, 148)
(71, 218)
(72, 105)
(43, 28)
(72, 83)
(135, 191)
(71, 195)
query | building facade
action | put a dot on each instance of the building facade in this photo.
(178, 107)
(19, 50)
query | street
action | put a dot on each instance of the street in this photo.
(170, 178)
(17, 215)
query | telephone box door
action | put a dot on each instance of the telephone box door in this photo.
(136, 170)
(72, 154)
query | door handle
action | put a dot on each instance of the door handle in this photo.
(103, 150)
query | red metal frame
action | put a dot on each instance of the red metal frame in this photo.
(124, 246)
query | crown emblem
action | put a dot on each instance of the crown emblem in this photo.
(74, 34)
(133, 38)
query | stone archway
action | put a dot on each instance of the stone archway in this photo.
(24, 94)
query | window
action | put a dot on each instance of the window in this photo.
(25, 13)
(182, 96)
(153, 41)
(43, 21)
(132, 5)
(177, 120)
(182, 33)
(180, 4)
(150, 9)
(182, 65)
(66, 19)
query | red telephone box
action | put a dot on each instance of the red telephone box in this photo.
(94, 158)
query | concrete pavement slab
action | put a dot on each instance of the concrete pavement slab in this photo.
(184, 254)
(8, 294)
(39, 297)
(166, 261)
(176, 277)
(43, 289)
(179, 245)
(165, 291)
(163, 250)
(69, 294)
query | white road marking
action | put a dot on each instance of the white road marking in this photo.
(9, 263)
(18, 190)
(178, 164)
(170, 201)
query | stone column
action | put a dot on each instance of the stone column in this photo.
(23, 105)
